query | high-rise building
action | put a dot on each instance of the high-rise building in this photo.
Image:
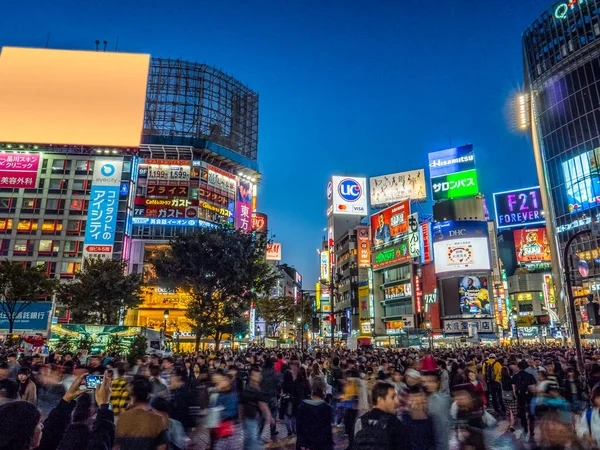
(113, 154)
(561, 53)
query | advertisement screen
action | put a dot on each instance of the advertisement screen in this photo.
(461, 245)
(243, 206)
(62, 97)
(103, 208)
(388, 189)
(518, 208)
(452, 160)
(349, 196)
(19, 170)
(455, 185)
(397, 254)
(390, 223)
(582, 180)
(531, 244)
(474, 296)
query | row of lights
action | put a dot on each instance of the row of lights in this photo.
(107, 151)
(18, 147)
(247, 177)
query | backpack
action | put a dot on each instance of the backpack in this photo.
(373, 434)
(490, 375)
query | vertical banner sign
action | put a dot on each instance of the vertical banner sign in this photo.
(243, 206)
(325, 268)
(425, 230)
(252, 322)
(364, 246)
(494, 251)
(414, 247)
(103, 207)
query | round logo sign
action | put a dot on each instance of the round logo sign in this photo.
(329, 190)
(190, 213)
(349, 190)
(107, 170)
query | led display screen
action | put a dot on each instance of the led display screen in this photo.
(72, 97)
(518, 208)
(474, 295)
(582, 180)
(461, 245)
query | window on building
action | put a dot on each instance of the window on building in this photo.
(53, 203)
(55, 184)
(21, 246)
(29, 203)
(51, 226)
(25, 225)
(82, 165)
(69, 268)
(5, 203)
(79, 185)
(71, 247)
(77, 204)
(46, 246)
(73, 226)
(58, 164)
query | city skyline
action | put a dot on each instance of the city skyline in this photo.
(323, 56)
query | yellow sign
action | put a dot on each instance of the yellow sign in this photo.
(223, 211)
(525, 296)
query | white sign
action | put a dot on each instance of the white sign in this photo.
(414, 241)
(325, 268)
(462, 326)
(408, 321)
(274, 252)
(388, 189)
(461, 254)
(349, 196)
(365, 327)
(252, 330)
(220, 179)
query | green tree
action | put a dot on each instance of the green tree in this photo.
(137, 350)
(20, 287)
(86, 343)
(274, 311)
(101, 291)
(223, 271)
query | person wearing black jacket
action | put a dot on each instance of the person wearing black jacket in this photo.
(21, 428)
(270, 385)
(523, 382)
(314, 421)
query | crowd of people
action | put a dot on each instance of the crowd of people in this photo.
(405, 399)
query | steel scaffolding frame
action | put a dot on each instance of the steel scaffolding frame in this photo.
(187, 101)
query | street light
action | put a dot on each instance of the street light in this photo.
(429, 335)
(166, 316)
(515, 316)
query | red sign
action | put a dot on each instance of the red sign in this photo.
(390, 223)
(426, 240)
(168, 191)
(364, 246)
(259, 222)
(165, 212)
(98, 248)
(166, 162)
(531, 244)
(418, 293)
(17, 179)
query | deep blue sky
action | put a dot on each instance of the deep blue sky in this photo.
(352, 87)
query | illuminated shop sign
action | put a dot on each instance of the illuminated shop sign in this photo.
(391, 256)
(561, 11)
(518, 208)
(455, 185)
(399, 291)
(222, 211)
(168, 191)
(172, 222)
(452, 160)
(18, 170)
(325, 268)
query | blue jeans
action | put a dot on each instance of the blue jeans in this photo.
(252, 440)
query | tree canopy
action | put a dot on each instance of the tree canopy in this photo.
(222, 270)
(21, 286)
(101, 291)
(274, 311)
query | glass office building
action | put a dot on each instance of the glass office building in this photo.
(561, 53)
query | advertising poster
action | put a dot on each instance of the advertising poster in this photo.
(274, 251)
(451, 160)
(388, 189)
(398, 291)
(325, 268)
(390, 256)
(103, 207)
(582, 180)
(414, 243)
(364, 247)
(461, 245)
(219, 179)
(349, 195)
(167, 174)
(455, 185)
(518, 208)
(243, 206)
(474, 296)
(259, 222)
(30, 317)
(462, 326)
(19, 170)
(390, 223)
(426, 251)
(531, 245)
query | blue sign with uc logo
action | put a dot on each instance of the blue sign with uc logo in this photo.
(349, 190)
(107, 170)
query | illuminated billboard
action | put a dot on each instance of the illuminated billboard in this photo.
(451, 160)
(72, 97)
(391, 256)
(103, 207)
(273, 251)
(474, 295)
(461, 245)
(19, 170)
(531, 245)
(325, 267)
(388, 189)
(259, 222)
(390, 223)
(243, 206)
(582, 180)
(349, 195)
(519, 208)
(455, 185)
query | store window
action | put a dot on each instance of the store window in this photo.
(51, 226)
(77, 204)
(26, 225)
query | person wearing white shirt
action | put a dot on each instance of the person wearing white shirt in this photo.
(588, 427)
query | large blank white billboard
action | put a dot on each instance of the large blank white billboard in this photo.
(72, 97)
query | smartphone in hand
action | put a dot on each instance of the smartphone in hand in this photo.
(93, 381)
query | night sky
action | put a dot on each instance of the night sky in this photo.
(346, 87)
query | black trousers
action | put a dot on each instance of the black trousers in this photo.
(527, 421)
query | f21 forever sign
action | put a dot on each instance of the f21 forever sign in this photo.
(453, 173)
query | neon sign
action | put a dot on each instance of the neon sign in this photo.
(562, 10)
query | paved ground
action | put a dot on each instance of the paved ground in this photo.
(283, 442)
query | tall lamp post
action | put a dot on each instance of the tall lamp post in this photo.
(515, 316)
(166, 316)
(429, 335)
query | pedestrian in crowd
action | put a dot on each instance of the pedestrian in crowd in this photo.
(574, 390)
(270, 385)
(314, 421)
(477, 385)
(438, 408)
(8, 388)
(119, 398)
(27, 388)
(286, 407)
(508, 394)
(380, 429)
(253, 402)
(524, 384)
(176, 437)
(159, 386)
(492, 370)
